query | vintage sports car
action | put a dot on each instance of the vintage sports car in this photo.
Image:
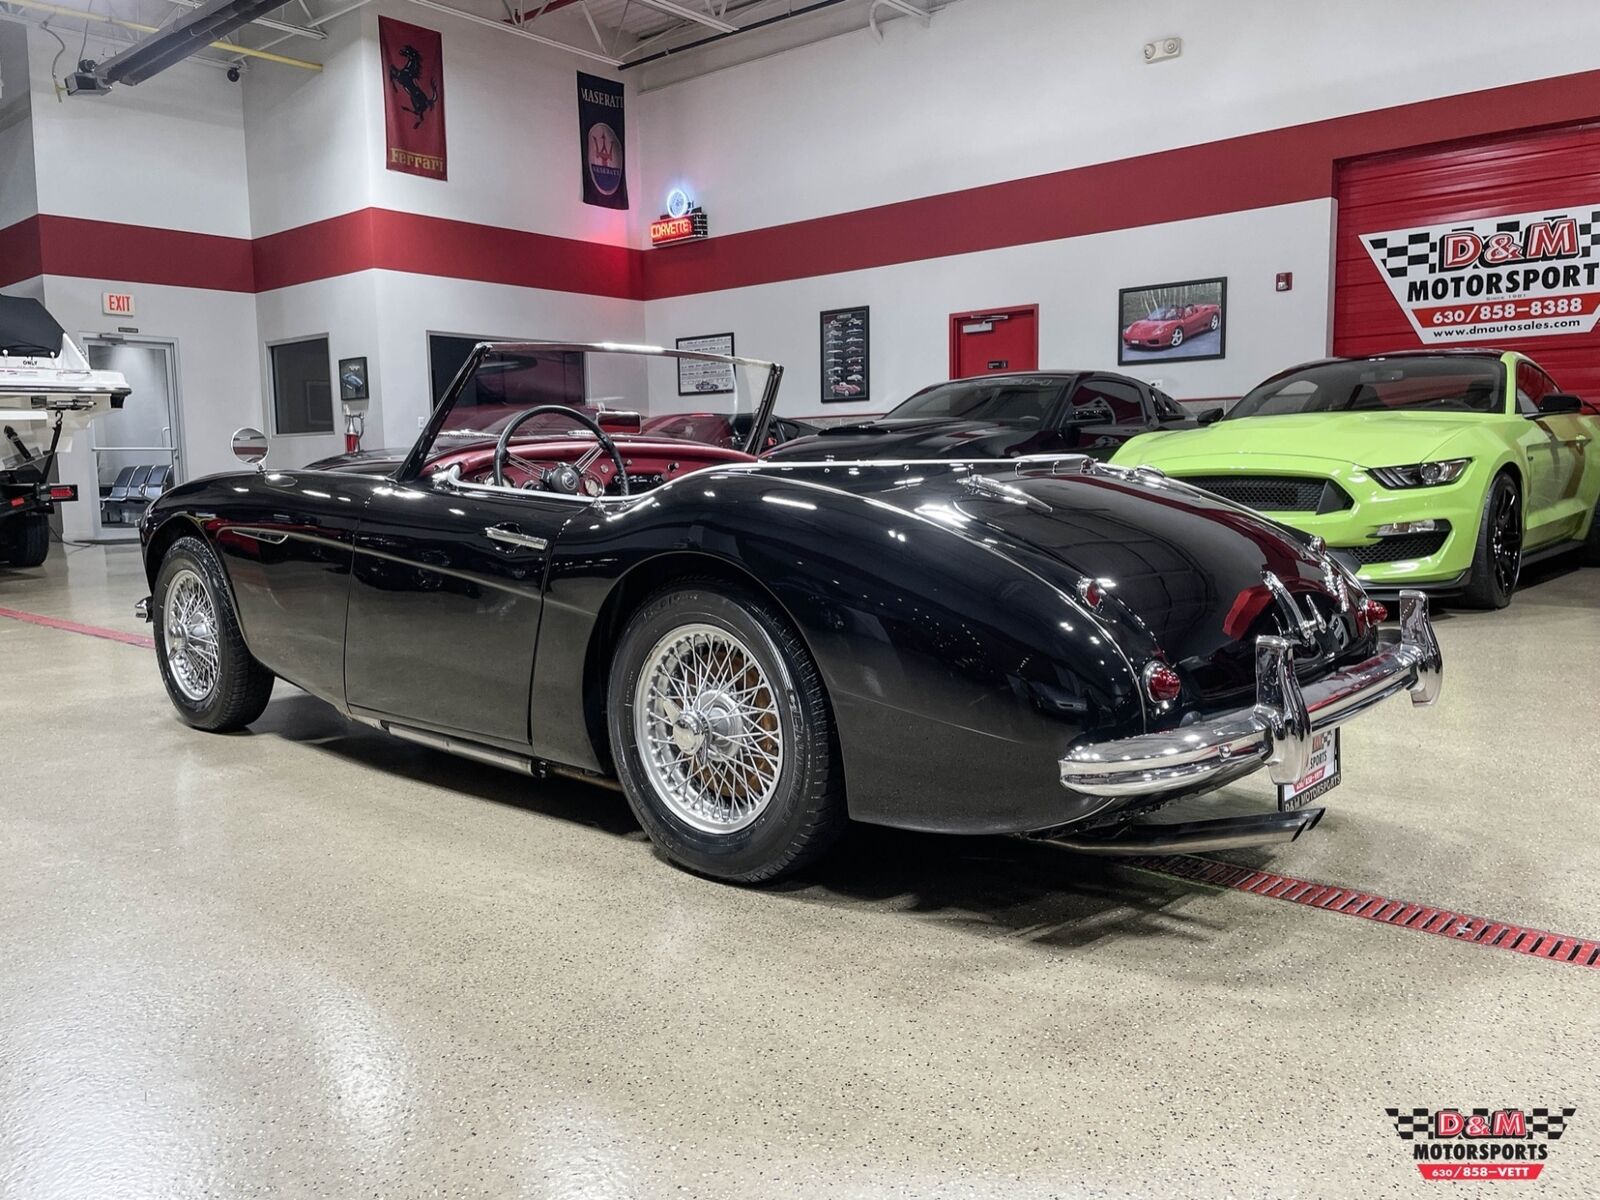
(1443, 470)
(1003, 416)
(47, 393)
(1166, 328)
(758, 652)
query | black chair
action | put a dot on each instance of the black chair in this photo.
(135, 492)
(158, 482)
(118, 493)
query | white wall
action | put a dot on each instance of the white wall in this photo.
(217, 391)
(1074, 281)
(19, 196)
(1003, 89)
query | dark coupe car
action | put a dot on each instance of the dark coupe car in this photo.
(759, 652)
(1003, 416)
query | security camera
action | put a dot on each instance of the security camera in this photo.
(233, 74)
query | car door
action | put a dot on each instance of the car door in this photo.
(1103, 412)
(1555, 446)
(445, 601)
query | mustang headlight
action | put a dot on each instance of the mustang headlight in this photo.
(1428, 474)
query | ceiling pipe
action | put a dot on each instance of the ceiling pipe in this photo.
(305, 31)
(673, 9)
(518, 31)
(78, 14)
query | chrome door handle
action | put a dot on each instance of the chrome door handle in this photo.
(510, 535)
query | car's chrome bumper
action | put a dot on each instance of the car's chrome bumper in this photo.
(1277, 731)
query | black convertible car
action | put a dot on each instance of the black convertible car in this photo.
(1003, 416)
(757, 651)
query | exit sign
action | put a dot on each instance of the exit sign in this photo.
(116, 304)
(669, 231)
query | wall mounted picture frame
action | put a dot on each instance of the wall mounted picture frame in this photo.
(699, 378)
(1185, 321)
(353, 379)
(846, 355)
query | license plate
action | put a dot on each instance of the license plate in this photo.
(1321, 778)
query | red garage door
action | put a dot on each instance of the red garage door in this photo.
(1476, 243)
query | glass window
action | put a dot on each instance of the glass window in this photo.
(302, 387)
(1443, 384)
(1026, 401)
(1533, 385)
(1108, 401)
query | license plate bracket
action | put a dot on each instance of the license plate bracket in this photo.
(1320, 778)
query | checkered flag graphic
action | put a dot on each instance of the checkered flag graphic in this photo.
(1551, 1123)
(1410, 1125)
(1589, 232)
(1399, 257)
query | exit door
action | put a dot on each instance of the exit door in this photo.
(137, 449)
(994, 341)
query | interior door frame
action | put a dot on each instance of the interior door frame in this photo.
(1008, 311)
(180, 452)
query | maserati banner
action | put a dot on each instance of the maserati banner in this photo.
(1530, 275)
(413, 97)
(600, 124)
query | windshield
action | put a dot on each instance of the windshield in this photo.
(1380, 385)
(1163, 314)
(1020, 400)
(629, 392)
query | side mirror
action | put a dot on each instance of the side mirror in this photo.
(1555, 403)
(1210, 417)
(250, 446)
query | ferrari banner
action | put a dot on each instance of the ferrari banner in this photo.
(413, 97)
(600, 125)
(1530, 275)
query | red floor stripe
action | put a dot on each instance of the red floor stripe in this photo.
(98, 631)
(1402, 914)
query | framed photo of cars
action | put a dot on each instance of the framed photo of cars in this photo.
(1172, 322)
(846, 357)
(698, 378)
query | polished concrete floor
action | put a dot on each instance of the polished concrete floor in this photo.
(312, 960)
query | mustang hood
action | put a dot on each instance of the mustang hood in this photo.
(1367, 439)
(912, 437)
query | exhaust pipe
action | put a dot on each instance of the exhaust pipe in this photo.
(1191, 837)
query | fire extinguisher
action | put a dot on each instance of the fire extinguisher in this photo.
(354, 426)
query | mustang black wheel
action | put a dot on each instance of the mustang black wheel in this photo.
(27, 542)
(1591, 544)
(722, 735)
(1498, 561)
(211, 678)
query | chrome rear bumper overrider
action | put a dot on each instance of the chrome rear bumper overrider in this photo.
(1277, 731)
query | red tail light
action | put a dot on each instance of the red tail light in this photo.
(1374, 613)
(1090, 592)
(1161, 683)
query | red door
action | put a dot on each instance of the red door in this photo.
(1552, 175)
(994, 341)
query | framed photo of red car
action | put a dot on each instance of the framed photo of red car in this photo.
(846, 357)
(1173, 322)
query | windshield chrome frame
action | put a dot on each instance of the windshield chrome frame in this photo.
(411, 469)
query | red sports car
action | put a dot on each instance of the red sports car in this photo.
(1166, 328)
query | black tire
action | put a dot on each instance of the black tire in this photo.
(1497, 561)
(1591, 544)
(241, 686)
(1177, 337)
(806, 810)
(26, 541)
(1216, 322)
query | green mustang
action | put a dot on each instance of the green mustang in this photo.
(1444, 470)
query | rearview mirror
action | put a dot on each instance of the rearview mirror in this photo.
(1210, 417)
(1560, 402)
(250, 446)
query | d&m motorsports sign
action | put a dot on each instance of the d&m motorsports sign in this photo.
(1529, 275)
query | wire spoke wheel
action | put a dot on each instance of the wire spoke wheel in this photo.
(189, 634)
(707, 728)
(1505, 540)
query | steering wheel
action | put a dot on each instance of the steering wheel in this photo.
(568, 477)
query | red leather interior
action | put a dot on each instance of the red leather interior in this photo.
(644, 456)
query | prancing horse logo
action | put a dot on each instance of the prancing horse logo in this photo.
(406, 77)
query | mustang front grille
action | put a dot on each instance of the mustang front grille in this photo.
(1394, 549)
(1275, 493)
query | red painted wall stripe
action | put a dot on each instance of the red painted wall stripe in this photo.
(1403, 914)
(19, 252)
(1256, 170)
(96, 631)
